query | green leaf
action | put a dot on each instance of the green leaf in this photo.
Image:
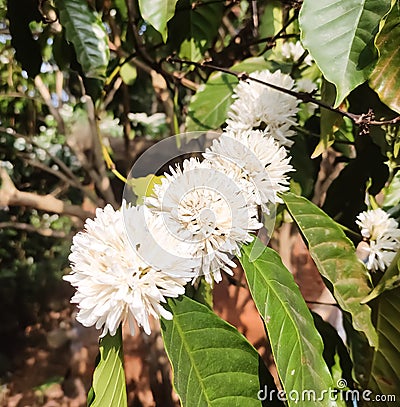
(385, 370)
(392, 192)
(209, 106)
(335, 353)
(360, 352)
(108, 388)
(389, 281)
(158, 13)
(340, 37)
(143, 187)
(385, 79)
(194, 27)
(128, 73)
(329, 120)
(201, 292)
(84, 29)
(121, 6)
(213, 363)
(335, 256)
(296, 345)
(306, 169)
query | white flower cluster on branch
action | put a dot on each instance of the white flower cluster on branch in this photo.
(126, 263)
(382, 235)
(260, 107)
(114, 285)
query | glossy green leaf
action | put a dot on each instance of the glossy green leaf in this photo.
(296, 345)
(84, 29)
(213, 363)
(334, 254)
(340, 37)
(385, 78)
(108, 388)
(209, 106)
(158, 13)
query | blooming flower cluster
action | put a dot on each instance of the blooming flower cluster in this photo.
(260, 107)
(382, 235)
(114, 285)
(126, 263)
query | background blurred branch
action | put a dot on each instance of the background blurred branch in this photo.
(26, 227)
(11, 196)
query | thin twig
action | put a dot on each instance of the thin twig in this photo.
(349, 231)
(359, 119)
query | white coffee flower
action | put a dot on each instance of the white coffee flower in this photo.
(113, 284)
(294, 52)
(382, 234)
(263, 165)
(258, 105)
(308, 86)
(149, 236)
(305, 85)
(207, 209)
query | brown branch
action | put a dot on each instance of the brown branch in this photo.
(69, 177)
(100, 172)
(44, 92)
(359, 119)
(26, 227)
(46, 168)
(11, 196)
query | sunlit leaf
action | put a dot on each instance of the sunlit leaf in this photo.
(389, 281)
(108, 388)
(335, 257)
(194, 27)
(213, 363)
(385, 78)
(84, 29)
(158, 13)
(296, 345)
(340, 37)
(143, 186)
(385, 370)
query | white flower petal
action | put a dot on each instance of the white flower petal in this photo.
(259, 105)
(114, 285)
(383, 237)
(207, 212)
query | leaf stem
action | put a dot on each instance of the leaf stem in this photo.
(349, 231)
